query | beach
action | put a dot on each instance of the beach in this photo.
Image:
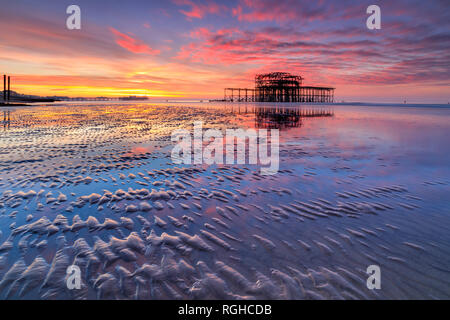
(93, 185)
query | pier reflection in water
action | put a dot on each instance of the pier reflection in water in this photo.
(6, 119)
(281, 117)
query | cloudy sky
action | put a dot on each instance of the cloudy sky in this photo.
(193, 49)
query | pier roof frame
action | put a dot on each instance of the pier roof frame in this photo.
(277, 80)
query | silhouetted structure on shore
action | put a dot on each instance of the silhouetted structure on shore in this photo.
(6, 91)
(13, 100)
(279, 87)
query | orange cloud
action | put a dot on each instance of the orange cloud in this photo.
(132, 44)
(198, 11)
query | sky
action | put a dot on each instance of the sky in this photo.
(194, 49)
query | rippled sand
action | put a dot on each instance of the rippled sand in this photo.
(94, 185)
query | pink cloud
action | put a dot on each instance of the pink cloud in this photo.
(198, 11)
(260, 12)
(282, 10)
(132, 44)
(322, 60)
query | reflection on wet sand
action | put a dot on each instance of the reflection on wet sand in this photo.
(278, 117)
(282, 118)
(93, 186)
(6, 119)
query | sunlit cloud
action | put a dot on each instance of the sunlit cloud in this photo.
(199, 10)
(132, 44)
(196, 48)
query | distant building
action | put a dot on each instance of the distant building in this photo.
(132, 98)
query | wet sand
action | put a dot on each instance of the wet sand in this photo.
(94, 185)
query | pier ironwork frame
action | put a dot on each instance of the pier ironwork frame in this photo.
(280, 87)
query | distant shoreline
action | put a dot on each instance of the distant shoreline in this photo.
(286, 104)
(19, 104)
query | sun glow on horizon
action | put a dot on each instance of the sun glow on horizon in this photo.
(86, 91)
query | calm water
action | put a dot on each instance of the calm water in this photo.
(94, 185)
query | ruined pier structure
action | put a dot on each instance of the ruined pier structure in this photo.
(279, 87)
